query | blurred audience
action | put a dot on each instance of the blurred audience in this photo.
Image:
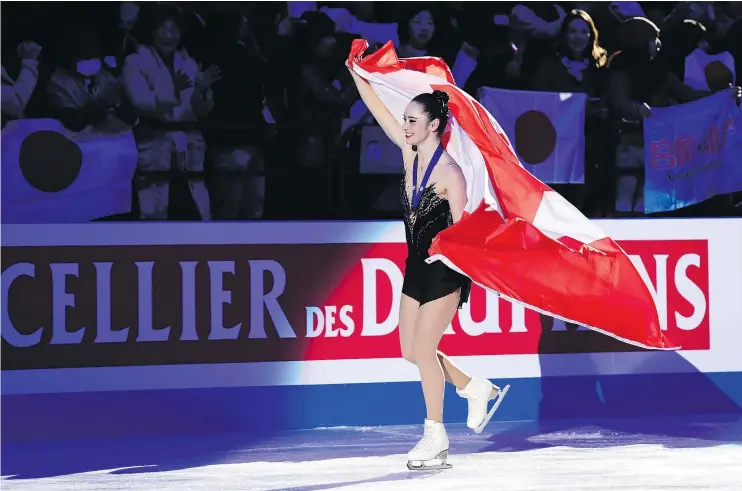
(170, 94)
(17, 92)
(578, 65)
(82, 91)
(246, 111)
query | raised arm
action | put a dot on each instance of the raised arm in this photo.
(388, 123)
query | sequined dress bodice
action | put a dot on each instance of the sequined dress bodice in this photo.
(422, 224)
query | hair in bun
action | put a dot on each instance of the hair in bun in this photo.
(442, 98)
(435, 105)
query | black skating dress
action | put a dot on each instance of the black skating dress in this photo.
(427, 282)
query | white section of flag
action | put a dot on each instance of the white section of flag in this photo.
(397, 89)
(102, 187)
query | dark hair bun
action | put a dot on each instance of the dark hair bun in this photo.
(441, 96)
(435, 105)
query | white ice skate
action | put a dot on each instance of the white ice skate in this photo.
(478, 392)
(431, 452)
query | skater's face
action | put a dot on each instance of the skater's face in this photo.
(578, 36)
(417, 125)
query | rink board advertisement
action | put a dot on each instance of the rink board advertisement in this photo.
(136, 306)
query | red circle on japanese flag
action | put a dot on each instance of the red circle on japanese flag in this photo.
(718, 75)
(535, 137)
(49, 161)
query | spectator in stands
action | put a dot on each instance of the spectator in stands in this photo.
(124, 41)
(319, 100)
(416, 33)
(636, 77)
(729, 26)
(637, 81)
(728, 17)
(575, 65)
(578, 65)
(236, 125)
(499, 62)
(431, 31)
(626, 10)
(359, 19)
(322, 100)
(128, 15)
(536, 26)
(170, 94)
(82, 91)
(681, 41)
(175, 93)
(193, 18)
(16, 93)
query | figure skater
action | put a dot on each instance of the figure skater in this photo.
(433, 194)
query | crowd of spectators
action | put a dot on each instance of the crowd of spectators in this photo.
(245, 110)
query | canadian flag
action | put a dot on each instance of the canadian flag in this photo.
(518, 237)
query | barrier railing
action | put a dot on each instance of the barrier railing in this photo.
(117, 317)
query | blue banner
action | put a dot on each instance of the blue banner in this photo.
(692, 152)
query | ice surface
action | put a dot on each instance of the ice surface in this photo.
(617, 455)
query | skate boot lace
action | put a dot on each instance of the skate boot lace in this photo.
(427, 440)
(475, 403)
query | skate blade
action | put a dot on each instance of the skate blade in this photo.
(426, 467)
(498, 401)
(423, 465)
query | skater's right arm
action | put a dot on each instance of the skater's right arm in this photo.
(388, 123)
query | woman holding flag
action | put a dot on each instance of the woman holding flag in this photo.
(433, 194)
(473, 213)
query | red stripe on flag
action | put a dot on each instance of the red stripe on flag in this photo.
(594, 284)
(517, 191)
(431, 66)
(573, 244)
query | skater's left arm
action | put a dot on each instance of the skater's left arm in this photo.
(455, 190)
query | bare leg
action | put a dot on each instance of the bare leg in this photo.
(453, 374)
(432, 320)
(408, 314)
(408, 309)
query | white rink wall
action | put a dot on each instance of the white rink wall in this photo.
(301, 311)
